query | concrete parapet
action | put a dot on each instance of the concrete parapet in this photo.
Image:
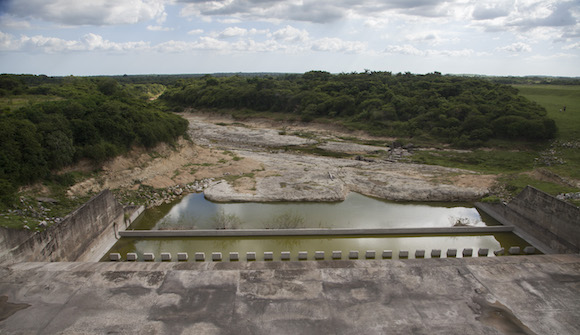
(435, 253)
(165, 257)
(420, 253)
(370, 254)
(318, 255)
(403, 254)
(337, 254)
(387, 253)
(285, 255)
(467, 252)
(268, 256)
(182, 256)
(131, 257)
(499, 252)
(302, 255)
(216, 256)
(250, 256)
(234, 256)
(451, 252)
(353, 254)
(483, 252)
(148, 257)
(115, 256)
(200, 257)
(529, 250)
(514, 250)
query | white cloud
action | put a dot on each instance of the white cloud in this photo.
(338, 45)
(159, 28)
(8, 21)
(410, 50)
(93, 12)
(233, 32)
(195, 32)
(291, 34)
(572, 46)
(516, 47)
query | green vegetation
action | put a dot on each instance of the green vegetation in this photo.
(47, 124)
(463, 111)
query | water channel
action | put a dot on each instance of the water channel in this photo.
(357, 211)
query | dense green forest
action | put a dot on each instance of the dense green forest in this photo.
(459, 110)
(63, 120)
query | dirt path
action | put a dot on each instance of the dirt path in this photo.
(263, 160)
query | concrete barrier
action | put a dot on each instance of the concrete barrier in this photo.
(403, 254)
(387, 253)
(514, 250)
(200, 257)
(529, 250)
(182, 256)
(234, 256)
(216, 256)
(353, 254)
(302, 255)
(420, 253)
(499, 252)
(451, 252)
(115, 256)
(318, 255)
(483, 252)
(250, 256)
(285, 255)
(436, 253)
(337, 254)
(148, 257)
(268, 256)
(131, 257)
(370, 254)
(467, 252)
(165, 257)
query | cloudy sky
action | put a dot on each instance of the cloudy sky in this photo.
(92, 37)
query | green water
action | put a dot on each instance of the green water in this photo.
(357, 211)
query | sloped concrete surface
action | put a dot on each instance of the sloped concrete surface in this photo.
(502, 295)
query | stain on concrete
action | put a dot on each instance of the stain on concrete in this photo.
(7, 309)
(500, 317)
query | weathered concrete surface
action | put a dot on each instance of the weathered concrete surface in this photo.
(503, 295)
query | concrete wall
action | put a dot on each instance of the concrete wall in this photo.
(67, 240)
(554, 222)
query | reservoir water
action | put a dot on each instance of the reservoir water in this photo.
(357, 211)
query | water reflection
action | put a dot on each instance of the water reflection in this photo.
(357, 211)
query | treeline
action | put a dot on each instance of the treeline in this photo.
(463, 111)
(82, 118)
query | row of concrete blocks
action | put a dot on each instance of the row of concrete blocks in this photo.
(319, 255)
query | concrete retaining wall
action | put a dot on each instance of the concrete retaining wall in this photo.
(553, 222)
(67, 240)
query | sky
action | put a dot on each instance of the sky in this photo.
(115, 37)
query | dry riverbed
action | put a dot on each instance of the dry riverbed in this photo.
(262, 160)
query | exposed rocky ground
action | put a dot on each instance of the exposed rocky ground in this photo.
(265, 161)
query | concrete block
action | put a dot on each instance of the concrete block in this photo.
(387, 253)
(268, 256)
(420, 253)
(200, 257)
(337, 254)
(467, 252)
(165, 257)
(318, 255)
(285, 255)
(216, 256)
(302, 255)
(514, 250)
(115, 256)
(234, 256)
(148, 257)
(131, 256)
(482, 252)
(250, 256)
(529, 250)
(451, 252)
(435, 253)
(370, 254)
(182, 256)
(353, 254)
(499, 252)
(403, 254)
